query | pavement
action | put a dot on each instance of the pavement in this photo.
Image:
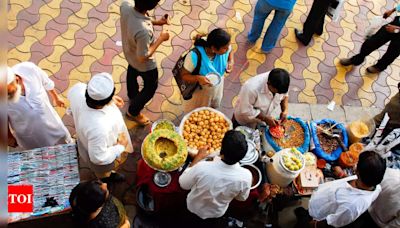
(74, 39)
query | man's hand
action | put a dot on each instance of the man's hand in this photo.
(203, 80)
(164, 35)
(203, 153)
(271, 122)
(388, 13)
(391, 28)
(269, 191)
(164, 20)
(118, 101)
(122, 140)
(283, 117)
(12, 142)
(59, 101)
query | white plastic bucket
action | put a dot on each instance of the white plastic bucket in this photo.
(277, 173)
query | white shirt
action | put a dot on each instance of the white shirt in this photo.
(213, 185)
(255, 98)
(97, 129)
(340, 203)
(385, 210)
(33, 119)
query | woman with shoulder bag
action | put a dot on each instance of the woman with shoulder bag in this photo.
(216, 59)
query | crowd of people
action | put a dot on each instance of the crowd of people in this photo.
(104, 142)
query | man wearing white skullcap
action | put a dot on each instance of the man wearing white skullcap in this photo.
(33, 122)
(101, 131)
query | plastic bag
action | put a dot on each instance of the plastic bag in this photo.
(318, 148)
(374, 25)
(390, 141)
(303, 148)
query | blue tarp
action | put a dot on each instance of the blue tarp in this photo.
(303, 148)
(318, 149)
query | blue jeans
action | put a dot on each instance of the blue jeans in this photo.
(261, 12)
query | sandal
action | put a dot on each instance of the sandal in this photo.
(140, 119)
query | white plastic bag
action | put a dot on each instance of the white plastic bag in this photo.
(390, 141)
(374, 25)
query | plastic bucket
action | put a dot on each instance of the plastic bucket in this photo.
(278, 174)
(354, 126)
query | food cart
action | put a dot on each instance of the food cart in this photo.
(161, 183)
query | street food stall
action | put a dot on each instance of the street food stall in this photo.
(167, 151)
(298, 156)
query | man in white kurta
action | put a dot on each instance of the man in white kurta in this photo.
(101, 131)
(214, 184)
(339, 203)
(259, 96)
(33, 122)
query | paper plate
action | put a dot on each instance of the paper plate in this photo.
(214, 78)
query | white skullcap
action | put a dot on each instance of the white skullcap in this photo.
(10, 75)
(100, 86)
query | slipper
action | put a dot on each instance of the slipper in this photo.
(140, 119)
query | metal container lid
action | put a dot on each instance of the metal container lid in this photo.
(162, 179)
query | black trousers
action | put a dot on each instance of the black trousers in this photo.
(314, 23)
(376, 41)
(138, 99)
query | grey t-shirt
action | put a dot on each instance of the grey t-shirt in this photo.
(137, 36)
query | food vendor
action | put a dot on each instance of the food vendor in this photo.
(259, 96)
(214, 184)
(101, 130)
(30, 111)
(339, 203)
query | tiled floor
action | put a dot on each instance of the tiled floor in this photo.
(74, 39)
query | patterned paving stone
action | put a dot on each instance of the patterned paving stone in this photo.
(74, 39)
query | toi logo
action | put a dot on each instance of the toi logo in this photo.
(20, 198)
